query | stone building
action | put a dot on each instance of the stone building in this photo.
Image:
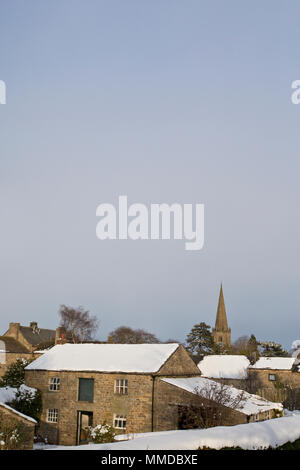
(175, 396)
(84, 384)
(24, 342)
(10, 351)
(273, 377)
(31, 337)
(126, 385)
(221, 332)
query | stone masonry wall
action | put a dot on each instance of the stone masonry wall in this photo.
(274, 390)
(136, 406)
(9, 419)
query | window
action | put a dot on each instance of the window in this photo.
(119, 422)
(121, 386)
(256, 417)
(52, 415)
(86, 390)
(54, 384)
(272, 377)
(268, 415)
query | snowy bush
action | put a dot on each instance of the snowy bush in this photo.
(28, 401)
(101, 433)
(11, 436)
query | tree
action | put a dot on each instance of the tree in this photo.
(78, 323)
(253, 352)
(247, 347)
(28, 402)
(200, 341)
(240, 345)
(271, 349)
(217, 402)
(15, 374)
(125, 334)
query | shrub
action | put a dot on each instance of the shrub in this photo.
(101, 433)
(12, 436)
(28, 402)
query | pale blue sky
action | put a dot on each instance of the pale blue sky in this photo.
(164, 101)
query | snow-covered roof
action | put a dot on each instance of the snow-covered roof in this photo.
(139, 358)
(224, 366)
(7, 394)
(252, 404)
(274, 363)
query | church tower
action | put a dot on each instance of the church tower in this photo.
(221, 333)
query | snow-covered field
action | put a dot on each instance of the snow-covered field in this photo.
(274, 432)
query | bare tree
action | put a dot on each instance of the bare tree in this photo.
(218, 402)
(78, 322)
(125, 334)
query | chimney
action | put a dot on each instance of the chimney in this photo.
(60, 335)
(14, 329)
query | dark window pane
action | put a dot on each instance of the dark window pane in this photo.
(86, 390)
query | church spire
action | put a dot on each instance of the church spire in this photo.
(221, 320)
(221, 333)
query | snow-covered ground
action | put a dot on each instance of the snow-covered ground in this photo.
(274, 432)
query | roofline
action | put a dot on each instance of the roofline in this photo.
(150, 373)
(18, 413)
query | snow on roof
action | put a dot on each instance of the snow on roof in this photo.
(140, 358)
(252, 404)
(224, 366)
(274, 363)
(7, 394)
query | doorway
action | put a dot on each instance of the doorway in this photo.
(84, 420)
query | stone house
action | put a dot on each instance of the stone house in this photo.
(87, 384)
(176, 395)
(24, 342)
(31, 337)
(125, 385)
(274, 376)
(11, 350)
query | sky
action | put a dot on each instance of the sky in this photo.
(162, 101)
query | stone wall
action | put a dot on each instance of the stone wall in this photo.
(273, 390)
(168, 398)
(180, 363)
(11, 420)
(136, 406)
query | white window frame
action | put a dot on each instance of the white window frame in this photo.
(272, 375)
(121, 386)
(120, 422)
(256, 417)
(54, 384)
(52, 415)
